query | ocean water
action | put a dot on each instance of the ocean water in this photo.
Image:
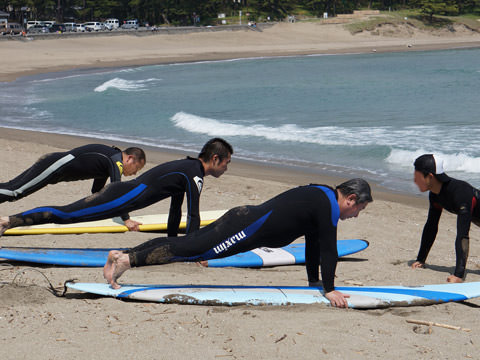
(366, 115)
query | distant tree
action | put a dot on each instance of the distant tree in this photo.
(276, 9)
(437, 7)
(316, 7)
(467, 6)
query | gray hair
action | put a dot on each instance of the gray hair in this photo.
(359, 187)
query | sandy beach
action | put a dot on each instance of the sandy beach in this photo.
(35, 324)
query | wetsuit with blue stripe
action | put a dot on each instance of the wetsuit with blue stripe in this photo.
(172, 179)
(94, 161)
(462, 199)
(311, 211)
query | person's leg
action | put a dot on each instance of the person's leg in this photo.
(234, 232)
(117, 263)
(4, 222)
(114, 200)
(39, 175)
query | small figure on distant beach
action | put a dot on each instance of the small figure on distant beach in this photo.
(172, 179)
(312, 211)
(455, 196)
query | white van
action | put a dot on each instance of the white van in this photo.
(130, 24)
(93, 26)
(70, 26)
(115, 24)
(33, 22)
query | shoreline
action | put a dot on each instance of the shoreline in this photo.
(286, 174)
(299, 39)
(105, 65)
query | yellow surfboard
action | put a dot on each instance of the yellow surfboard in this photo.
(157, 222)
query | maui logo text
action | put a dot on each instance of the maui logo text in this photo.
(229, 242)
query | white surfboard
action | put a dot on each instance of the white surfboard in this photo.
(229, 295)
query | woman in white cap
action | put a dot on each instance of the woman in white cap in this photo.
(455, 196)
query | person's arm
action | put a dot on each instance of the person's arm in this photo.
(98, 184)
(131, 225)
(113, 165)
(175, 214)
(328, 265)
(321, 250)
(193, 208)
(429, 234)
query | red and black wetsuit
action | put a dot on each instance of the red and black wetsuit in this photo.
(311, 211)
(94, 161)
(457, 197)
(172, 179)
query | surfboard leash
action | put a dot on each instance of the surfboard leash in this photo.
(51, 288)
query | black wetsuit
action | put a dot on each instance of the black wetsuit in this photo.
(311, 210)
(172, 179)
(460, 198)
(94, 161)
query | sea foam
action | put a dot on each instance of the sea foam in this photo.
(458, 162)
(324, 135)
(125, 85)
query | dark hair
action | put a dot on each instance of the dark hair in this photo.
(425, 164)
(430, 164)
(137, 153)
(358, 187)
(215, 146)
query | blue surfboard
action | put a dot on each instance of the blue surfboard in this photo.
(98, 257)
(288, 255)
(229, 295)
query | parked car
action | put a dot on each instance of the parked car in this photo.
(80, 28)
(71, 26)
(10, 28)
(38, 29)
(107, 26)
(114, 22)
(93, 26)
(33, 22)
(60, 28)
(130, 24)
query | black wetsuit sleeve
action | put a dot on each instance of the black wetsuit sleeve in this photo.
(429, 232)
(321, 248)
(98, 184)
(115, 169)
(312, 258)
(175, 214)
(193, 216)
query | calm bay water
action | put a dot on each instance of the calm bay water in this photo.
(358, 114)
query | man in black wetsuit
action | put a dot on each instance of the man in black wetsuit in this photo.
(172, 179)
(455, 196)
(312, 211)
(94, 161)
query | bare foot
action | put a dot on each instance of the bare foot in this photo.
(454, 279)
(4, 224)
(117, 263)
(203, 263)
